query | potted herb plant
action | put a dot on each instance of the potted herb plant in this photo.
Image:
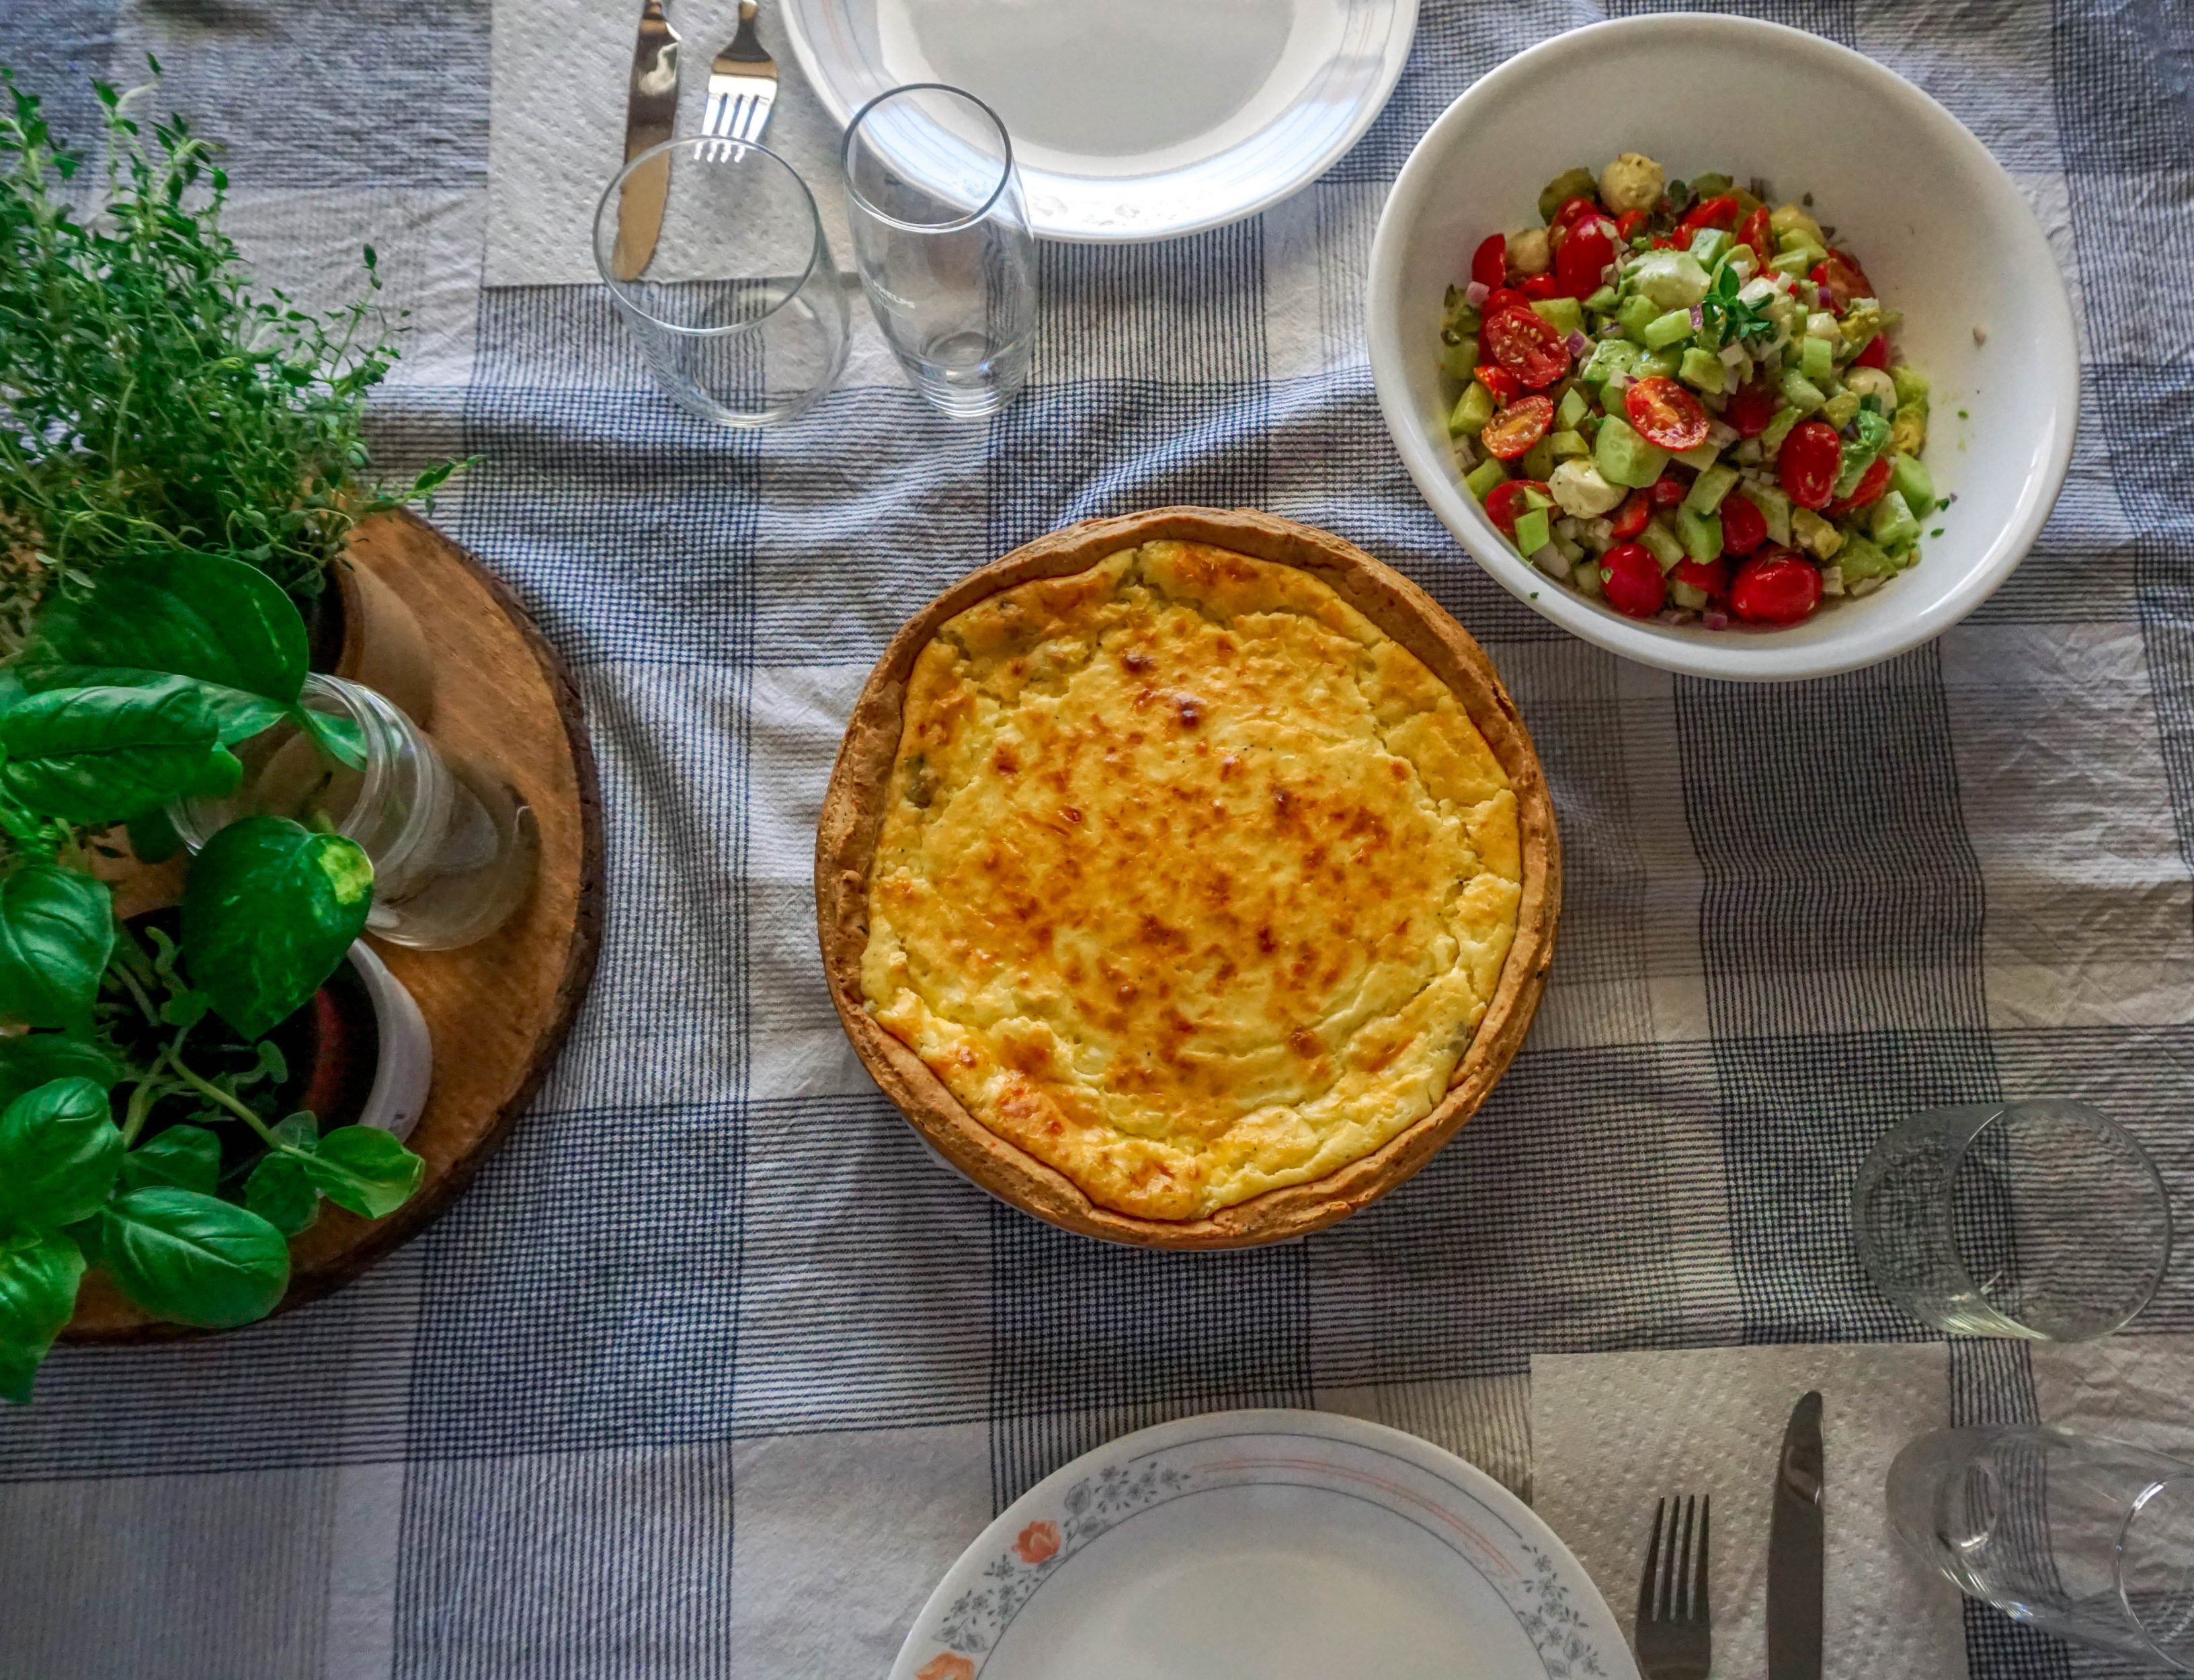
(141, 1132)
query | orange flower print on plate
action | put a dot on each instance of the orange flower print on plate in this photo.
(945, 1665)
(1037, 1542)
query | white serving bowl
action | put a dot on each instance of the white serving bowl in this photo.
(1940, 228)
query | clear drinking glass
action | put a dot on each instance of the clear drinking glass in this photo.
(453, 850)
(2087, 1538)
(941, 237)
(2041, 1220)
(737, 306)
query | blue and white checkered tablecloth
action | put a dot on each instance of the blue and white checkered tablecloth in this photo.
(714, 1371)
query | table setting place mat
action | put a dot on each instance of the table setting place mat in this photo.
(713, 1370)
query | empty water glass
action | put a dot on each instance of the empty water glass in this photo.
(941, 237)
(2041, 1220)
(737, 305)
(2089, 1539)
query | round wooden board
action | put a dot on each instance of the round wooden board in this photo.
(498, 1009)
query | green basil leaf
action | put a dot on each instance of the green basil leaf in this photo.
(33, 1058)
(56, 933)
(279, 1192)
(39, 1275)
(366, 1169)
(186, 1157)
(339, 737)
(300, 1130)
(60, 1150)
(191, 1258)
(268, 912)
(197, 615)
(152, 838)
(237, 715)
(99, 755)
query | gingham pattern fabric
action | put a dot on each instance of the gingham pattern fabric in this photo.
(714, 1370)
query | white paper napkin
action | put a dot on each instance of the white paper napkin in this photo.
(1613, 1432)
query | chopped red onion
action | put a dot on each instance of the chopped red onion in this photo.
(1714, 618)
(1698, 316)
(1577, 343)
(1618, 384)
(1477, 291)
(1732, 354)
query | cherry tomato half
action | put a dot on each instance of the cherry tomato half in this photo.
(1584, 256)
(1527, 346)
(1539, 287)
(1743, 526)
(1668, 490)
(1720, 211)
(1490, 265)
(1572, 209)
(1873, 486)
(1775, 587)
(1630, 578)
(1505, 505)
(1752, 408)
(1877, 353)
(1630, 518)
(1712, 577)
(1665, 414)
(1842, 280)
(1811, 458)
(1503, 297)
(1504, 385)
(1758, 234)
(1628, 224)
(1515, 429)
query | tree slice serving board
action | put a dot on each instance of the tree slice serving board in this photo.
(498, 1009)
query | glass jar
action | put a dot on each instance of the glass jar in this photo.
(453, 852)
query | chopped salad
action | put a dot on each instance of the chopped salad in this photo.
(1688, 403)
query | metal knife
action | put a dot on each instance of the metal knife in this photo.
(651, 116)
(1796, 1549)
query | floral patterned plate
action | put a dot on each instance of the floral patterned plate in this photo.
(1267, 1546)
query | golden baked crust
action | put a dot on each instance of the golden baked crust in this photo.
(1191, 881)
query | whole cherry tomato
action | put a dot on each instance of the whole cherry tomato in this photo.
(1505, 505)
(1877, 353)
(1873, 486)
(1504, 385)
(1630, 518)
(1775, 587)
(1720, 211)
(1668, 489)
(1515, 429)
(1489, 266)
(1712, 576)
(1503, 297)
(1527, 346)
(1628, 224)
(1758, 234)
(1630, 578)
(1572, 209)
(1812, 457)
(1665, 414)
(1752, 408)
(1539, 287)
(1585, 255)
(1743, 526)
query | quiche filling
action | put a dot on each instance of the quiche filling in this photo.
(1192, 882)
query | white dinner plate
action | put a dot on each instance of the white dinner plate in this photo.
(1266, 1546)
(1131, 120)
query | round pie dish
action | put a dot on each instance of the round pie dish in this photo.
(1289, 948)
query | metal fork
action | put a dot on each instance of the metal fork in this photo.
(742, 89)
(1675, 1627)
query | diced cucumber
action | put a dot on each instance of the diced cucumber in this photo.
(1702, 536)
(1796, 262)
(1564, 314)
(1480, 479)
(1532, 534)
(1567, 445)
(1801, 392)
(1635, 316)
(1569, 409)
(1538, 461)
(1779, 428)
(1624, 458)
(1699, 456)
(1669, 328)
(1911, 480)
(1533, 499)
(1610, 357)
(1893, 524)
(1861, 557)
(1817, 358)
(1689, 596)
(1774, 508)
(1585, 577)
(1702, 370)
(1661, 540)
(1603, 301)
(1839, 409)
(1712, 486)
(1472, 410)
(1457, 361)
(1708, 245)
(1659, 365)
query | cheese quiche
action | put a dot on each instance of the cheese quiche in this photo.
(1188, 880)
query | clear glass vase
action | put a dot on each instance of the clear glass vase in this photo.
(453, 852)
